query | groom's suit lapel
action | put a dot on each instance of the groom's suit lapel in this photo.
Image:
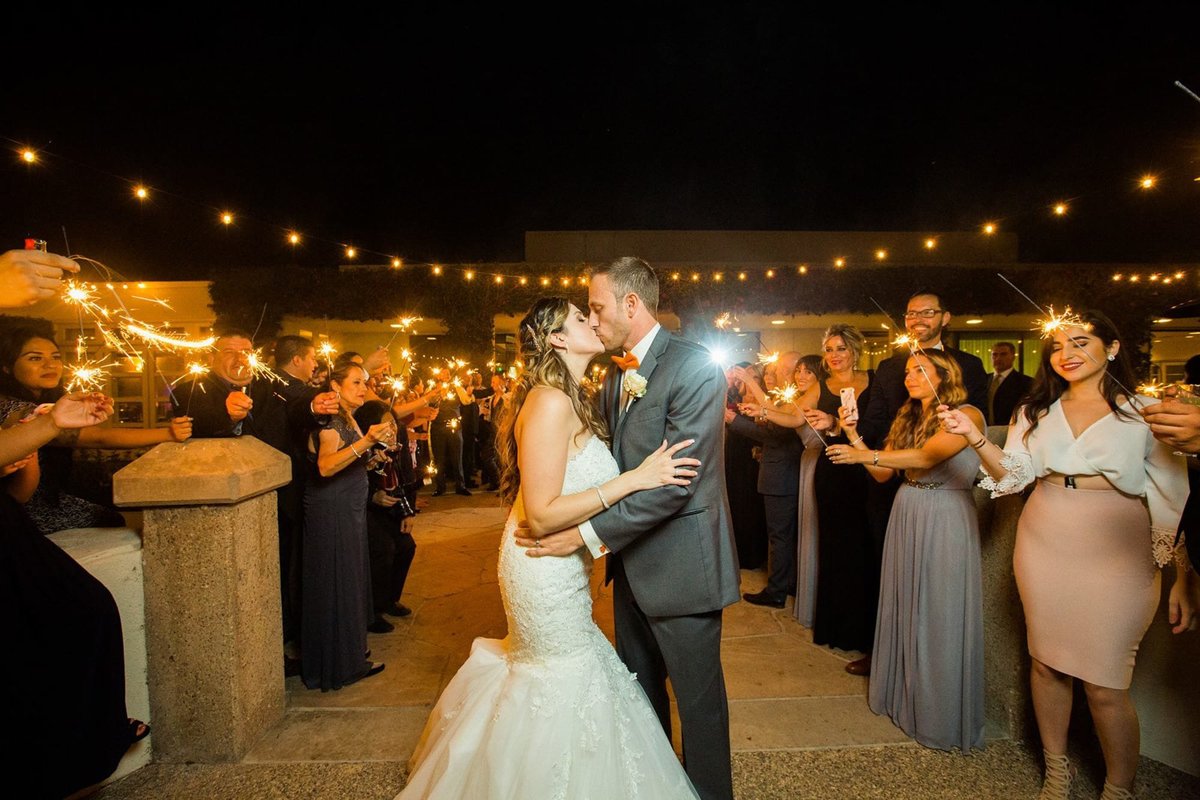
(645, 369)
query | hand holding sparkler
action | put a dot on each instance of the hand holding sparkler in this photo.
(238, 405)
(377, 362)
(818, 420)
(955, 421)
(28, 276)
(324, 404)
(79, 410)
(1174, 423)
(181, 429)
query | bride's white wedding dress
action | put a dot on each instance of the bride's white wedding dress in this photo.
(550, 711)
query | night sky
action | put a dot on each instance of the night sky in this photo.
(444, 137)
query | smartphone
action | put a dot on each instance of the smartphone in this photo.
(850, 403)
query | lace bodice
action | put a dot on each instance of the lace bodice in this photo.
(548, 601)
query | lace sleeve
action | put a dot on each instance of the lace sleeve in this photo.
(1167, 546)
(1020, 474)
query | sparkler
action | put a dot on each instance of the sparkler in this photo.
(327, 351)
(196, 370)
(155, 300)
(165, 341)
(1058, 322)
(89, 376)
(723, 321)
(784, 395)
(258, 368)
(767, 358)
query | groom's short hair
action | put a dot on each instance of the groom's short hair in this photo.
(631, 274)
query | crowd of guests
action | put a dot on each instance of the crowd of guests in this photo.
(359, 450)
(864, 484)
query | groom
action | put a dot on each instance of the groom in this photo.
(671, 556)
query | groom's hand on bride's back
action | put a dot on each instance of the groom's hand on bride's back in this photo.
(562, 543)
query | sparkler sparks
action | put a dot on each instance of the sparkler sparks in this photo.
(767, 358)
(1057, 322)
(165, 341)
(195, 370)
(784, 395)
(89, 376)
(156, 300)
(723, 321)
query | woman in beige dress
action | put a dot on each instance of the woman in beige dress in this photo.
(1100, 522)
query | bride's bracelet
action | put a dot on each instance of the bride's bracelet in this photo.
(600, 494)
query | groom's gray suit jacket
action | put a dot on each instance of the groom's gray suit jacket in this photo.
(675, 543)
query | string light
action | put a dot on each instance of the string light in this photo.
(140, 192)
(28, 156)
(839, 262)
(741, 276)
(695, 277)
(437, 270)
(397, 263)
(674, 276)
(293, 238)
(989, 228)
(523, 280)
(1148, 181)
(718, 276)
(770, 273)
(566, 281)
(802, 269)
(1116, 276)
(930, 244)
(1060, 209)
(880, 254)
(351, 252)
(545, 281)
(499, 279)
(469, 275)
(226, 218)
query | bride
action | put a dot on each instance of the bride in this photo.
(551, 711)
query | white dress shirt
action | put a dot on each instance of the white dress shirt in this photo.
(596, 547)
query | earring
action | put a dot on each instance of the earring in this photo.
(1111, 357)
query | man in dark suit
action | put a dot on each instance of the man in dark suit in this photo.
(671, 555)
(230, 401)
(779, 484)
(925, 320)
(1006, 386)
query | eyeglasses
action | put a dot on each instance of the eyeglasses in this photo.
(925, 313)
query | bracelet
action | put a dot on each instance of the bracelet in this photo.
(875, 460)
(982, 443)
(600, 494)
(856, 441)
(356, 453)
(762, 414)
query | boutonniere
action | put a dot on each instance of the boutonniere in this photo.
(634, 384)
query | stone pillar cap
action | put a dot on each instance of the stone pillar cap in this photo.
(202, 472)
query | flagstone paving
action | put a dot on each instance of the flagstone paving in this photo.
(799, 724)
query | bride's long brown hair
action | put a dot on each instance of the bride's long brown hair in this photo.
(543, 367)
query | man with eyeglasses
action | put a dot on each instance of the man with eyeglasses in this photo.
(925, 319)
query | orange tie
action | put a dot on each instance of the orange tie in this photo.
(626, 362)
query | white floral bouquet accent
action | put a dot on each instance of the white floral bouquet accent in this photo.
(634, 384)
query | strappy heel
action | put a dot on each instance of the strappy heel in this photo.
(1056, 785)
(1115, 793)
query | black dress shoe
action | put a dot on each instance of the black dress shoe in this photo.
(860, 667)
(397, 610)
(380, 625)
(464, 491)
(763, 599)
(374, 669)
(438, 492)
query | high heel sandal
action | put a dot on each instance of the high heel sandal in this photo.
(1059, 773)
(1115, 793)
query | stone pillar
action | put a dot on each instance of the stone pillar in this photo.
(213, 622)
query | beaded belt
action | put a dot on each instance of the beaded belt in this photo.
(923, 484)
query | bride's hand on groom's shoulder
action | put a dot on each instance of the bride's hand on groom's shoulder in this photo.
(563, 543)
(664, 468)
